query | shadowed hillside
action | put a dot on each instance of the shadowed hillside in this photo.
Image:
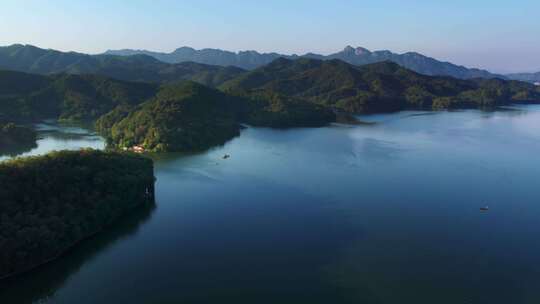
(30, 59)
(379, 87)
(64, 96)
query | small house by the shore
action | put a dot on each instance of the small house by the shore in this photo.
(137, 149)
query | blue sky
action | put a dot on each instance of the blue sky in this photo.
(501, 36)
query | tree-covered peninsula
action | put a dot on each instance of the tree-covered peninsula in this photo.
(188, 116)
(378, 87)
(50, 203)
(182, 117)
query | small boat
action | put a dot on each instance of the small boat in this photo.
(226, 156)
(486, 208)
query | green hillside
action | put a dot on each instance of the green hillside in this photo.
(186, 115)
(69, 97)
(31, 59)
(379, 87)
(182, 117)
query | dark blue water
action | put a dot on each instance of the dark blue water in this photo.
(383, 213)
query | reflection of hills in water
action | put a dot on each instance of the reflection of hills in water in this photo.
(63, 135)
(64, 131)
(43, 282)
(421, 114)
(74, 128)
(54, 136)
(510, 111)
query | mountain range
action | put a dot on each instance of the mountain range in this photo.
(31, 59)
(356, 56)
(212, 67)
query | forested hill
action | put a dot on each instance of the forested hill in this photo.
(15, 139)
(190, 117)
(31, 59)
(64, 96)
(183, 116)
(68, 196)
(379, 87)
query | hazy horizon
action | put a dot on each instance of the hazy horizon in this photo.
(490, 35)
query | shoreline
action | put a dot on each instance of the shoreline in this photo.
(71, 247)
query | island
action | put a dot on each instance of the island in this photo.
(68, 196)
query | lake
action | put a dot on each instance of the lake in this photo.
(381, 213)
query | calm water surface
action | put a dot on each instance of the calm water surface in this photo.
(386, 213)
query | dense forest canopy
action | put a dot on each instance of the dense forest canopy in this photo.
(188, 117)
(184, 115)
(68, 196)
(379, 87)
(15, 138)
(12, 133)
(26, 97)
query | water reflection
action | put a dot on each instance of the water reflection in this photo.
(386, 213)
(240, 236)
(41, 284)
(55, 136)
(376, 149)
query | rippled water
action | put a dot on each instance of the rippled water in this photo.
(382, 213)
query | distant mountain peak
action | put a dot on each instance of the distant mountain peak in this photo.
(358, 51)
(184, 49)
(361, 51)
(348, 49)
